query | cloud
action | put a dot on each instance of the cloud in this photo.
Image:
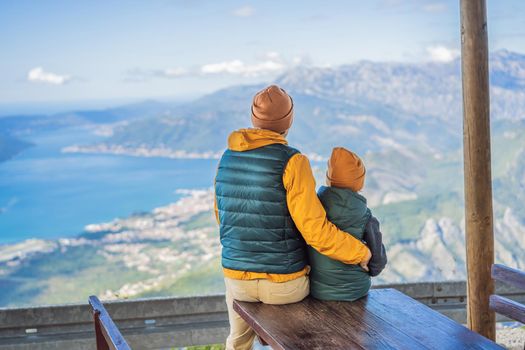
(272, 55)
(264, 64)
(244, 11)
(140, 75)
(442, 54)
(302, 60)
(238, 67)
(38, 74)
(317, 17)
(413, 6)
(173, 72)
(435, 7)
(393, 3)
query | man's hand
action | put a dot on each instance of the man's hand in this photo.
(366, 260)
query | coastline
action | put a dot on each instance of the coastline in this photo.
(118, 230)
(160, 152)
(141, 151)
(144, 253)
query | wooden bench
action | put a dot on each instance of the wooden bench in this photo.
(506, 306)
(385, 319)
(107, 335)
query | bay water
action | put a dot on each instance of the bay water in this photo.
(47, 194)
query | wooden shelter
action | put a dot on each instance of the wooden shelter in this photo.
(386, 318)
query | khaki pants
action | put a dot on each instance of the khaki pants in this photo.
(241, 335)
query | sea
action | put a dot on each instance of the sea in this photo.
(47, 194)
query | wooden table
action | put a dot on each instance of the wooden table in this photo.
(385, 319)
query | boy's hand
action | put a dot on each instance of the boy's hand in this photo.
(366, 260)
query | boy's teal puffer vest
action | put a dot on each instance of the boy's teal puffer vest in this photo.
(256, 229)
(331, 279)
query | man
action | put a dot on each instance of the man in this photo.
(268, 211)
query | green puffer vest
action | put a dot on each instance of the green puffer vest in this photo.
(331, 279)
(256, 229)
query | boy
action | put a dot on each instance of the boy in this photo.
(346, 208)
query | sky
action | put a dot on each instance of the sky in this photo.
(72, 51)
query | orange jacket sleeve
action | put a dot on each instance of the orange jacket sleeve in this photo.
(216, 210)
(309, 215)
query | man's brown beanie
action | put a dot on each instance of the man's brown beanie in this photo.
(272, 109)
(345, 170)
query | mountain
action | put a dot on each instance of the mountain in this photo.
(14, 129)
(204, 125)
(403, 119)
(367, 106)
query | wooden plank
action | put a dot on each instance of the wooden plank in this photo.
(424, 324)
(308, 326)
(477, 165)
(269, 323)
(385, 319)
(104, 325)
(508, 275)
(508, 307)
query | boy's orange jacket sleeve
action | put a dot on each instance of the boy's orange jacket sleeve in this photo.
(309, 215)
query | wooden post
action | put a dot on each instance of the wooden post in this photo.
(478, 183)
(102, 344)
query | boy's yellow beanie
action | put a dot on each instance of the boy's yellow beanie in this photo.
(345, 169)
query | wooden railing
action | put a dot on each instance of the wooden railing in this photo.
(176, 322)
(107, 335)
(505, 306)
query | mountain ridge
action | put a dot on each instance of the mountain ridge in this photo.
(402, 103)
